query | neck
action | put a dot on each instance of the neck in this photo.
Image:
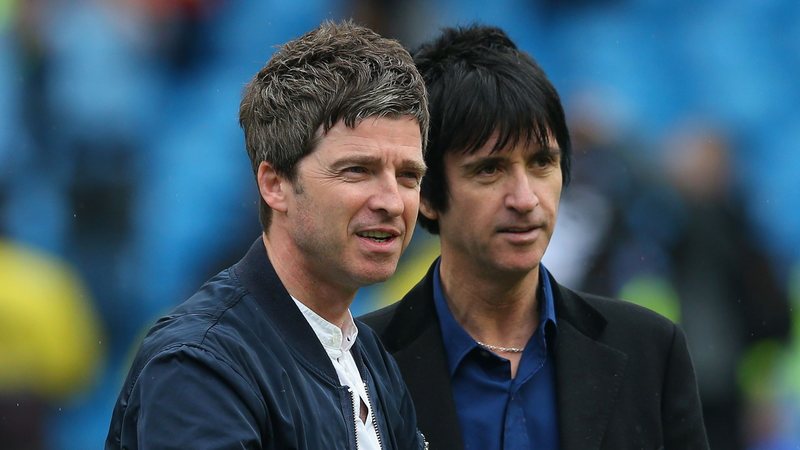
(497, 309)
(326, 298)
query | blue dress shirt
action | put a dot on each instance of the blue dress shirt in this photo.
(495, 411)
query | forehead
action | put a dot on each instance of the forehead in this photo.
(376, 136)
(388, 127)
(493, 148)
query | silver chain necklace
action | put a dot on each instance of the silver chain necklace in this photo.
(495, 348)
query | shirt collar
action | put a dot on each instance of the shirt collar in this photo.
(335, 340)
(547, 291)
(457, 342)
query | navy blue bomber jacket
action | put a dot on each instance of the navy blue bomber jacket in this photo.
(238, 367)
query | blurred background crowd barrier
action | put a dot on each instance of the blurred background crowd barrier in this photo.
(124, 182)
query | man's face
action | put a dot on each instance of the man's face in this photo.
(354, 202)
(502, 208)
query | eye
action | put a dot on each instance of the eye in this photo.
(544, 160)
(355, 169)
(354, 173)
(410, 178)
(487, 169)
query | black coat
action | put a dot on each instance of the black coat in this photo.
(624, 376)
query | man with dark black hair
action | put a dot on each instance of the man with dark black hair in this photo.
(496, 353)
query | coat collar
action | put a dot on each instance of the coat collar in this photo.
(258, 277)
(588, 372)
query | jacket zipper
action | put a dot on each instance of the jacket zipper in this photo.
(353, 406)
(355, 417)
(374, 417)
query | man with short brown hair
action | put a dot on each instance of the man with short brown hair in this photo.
(266, 355)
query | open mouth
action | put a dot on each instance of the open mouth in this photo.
(377, 236)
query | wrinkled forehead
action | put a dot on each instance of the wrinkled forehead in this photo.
(375, 138)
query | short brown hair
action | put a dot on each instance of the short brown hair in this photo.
(338, 71)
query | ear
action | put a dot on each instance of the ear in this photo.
(427, 210)
(271, 186)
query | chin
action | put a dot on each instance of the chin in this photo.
(519, 265)
(520, 269)
(375, 274)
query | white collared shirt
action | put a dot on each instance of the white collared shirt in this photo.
(337, 343)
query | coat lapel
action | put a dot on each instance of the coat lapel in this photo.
(429, 382)
(416, 343)
(589, 374)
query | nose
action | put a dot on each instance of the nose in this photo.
(521, 196)
(387, 197)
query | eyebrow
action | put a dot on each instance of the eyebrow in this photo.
(470, 166)
(499, 157)
(416, 166)
(359, 160)
(369, 160)
(551, 150)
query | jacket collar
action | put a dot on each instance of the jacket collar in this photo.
(258, 277)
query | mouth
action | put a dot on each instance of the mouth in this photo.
(378, 235)
(522, 234)
(518, 229)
